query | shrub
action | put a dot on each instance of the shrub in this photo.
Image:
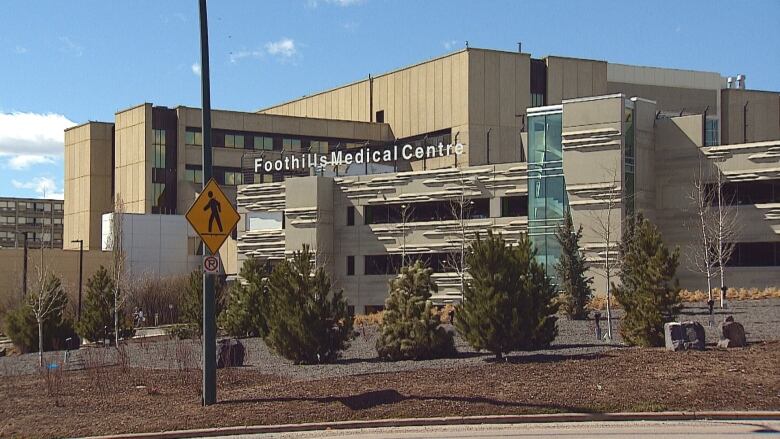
(509, 302)
(159, 295)
(648, 291)
(97, 318)
(244, 315)
(373, 319)
(410, 330)
(192, 301)
(22, 327)
(571, 268)
(307, 323)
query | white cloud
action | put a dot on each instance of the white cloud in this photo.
(241, 54)
(31, 138)
(284, 48)
(69, 46)
(342, 3)
(195, 68)
(44, 187)
(20, 50)
(449, 45)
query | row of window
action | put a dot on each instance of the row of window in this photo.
(391, 263)
(32, 221)
(750, 192)
(225, 176)
(513, 206)
(193, 137)
(31, 236)
(158, 144)
(29, 205)
(755, 254)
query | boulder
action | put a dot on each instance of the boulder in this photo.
(684, 336)
(732, 334)
(230, 354)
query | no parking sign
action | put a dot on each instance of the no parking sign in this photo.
(211, 264)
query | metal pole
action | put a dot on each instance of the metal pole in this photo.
(209, 325)
(487, 148)
(24, 269)
(81, 273)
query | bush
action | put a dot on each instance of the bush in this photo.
(509, 302)
(244, 315)
(307, 322)
(22, 327)
(162, 296)
(410, 330)
(192, 301)
(97, 318)
(571, 268)
(648, 291)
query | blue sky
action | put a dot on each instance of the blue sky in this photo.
(64, 63)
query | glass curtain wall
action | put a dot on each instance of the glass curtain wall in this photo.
(547, 200)
(629, 160)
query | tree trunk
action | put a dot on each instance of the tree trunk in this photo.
(116, 319)
(40, 342)
(499, 356)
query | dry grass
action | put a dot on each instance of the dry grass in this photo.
(373, 319)
(599, 302)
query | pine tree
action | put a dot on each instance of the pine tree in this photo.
(509, 303)
(307, 322)
(244, 315)
(192, 301)
(571, 268)
(649, 292)
(97, 320)
(409, 329)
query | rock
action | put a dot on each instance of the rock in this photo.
(2, 352)
(231, 353)
(684, 336)
(732, 334)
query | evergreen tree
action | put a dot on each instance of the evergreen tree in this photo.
(247, 305)
(571, 268)
(409, 329)
(192, 300)
(22, 327)
(97, 319)
(509, 304)
(307, 322)
(648, 291)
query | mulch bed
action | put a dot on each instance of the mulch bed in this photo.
(119, 399)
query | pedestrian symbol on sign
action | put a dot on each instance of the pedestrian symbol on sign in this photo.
(212, 216)
(215, 210)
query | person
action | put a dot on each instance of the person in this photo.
(597, 318)
(141, 318)
(215, 210)
(711, 305)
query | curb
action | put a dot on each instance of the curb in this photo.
(455, 420)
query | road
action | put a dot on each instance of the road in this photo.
(613, 430)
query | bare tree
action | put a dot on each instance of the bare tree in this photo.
(47, 300)
(726, 231)
(407, 211)
(460, 209)
(116, 245)
(608, 236)
(702, 254)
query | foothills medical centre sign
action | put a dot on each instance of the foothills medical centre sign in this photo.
(357, 156)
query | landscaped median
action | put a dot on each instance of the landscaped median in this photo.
(116, 399)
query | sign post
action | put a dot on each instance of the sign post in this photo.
(209, 365)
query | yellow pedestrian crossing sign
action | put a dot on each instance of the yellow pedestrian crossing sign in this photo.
(212, 216)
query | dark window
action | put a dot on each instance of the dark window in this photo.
(514, 206)
(350, 265)
(426, 211)
(755, 254)
(389, 264)
(749, 192)
(380, 116)
(351, 215)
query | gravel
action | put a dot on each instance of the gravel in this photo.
(576, 339)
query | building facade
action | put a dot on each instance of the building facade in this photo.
(39, 221)
(540, 138)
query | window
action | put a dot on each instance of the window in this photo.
(351, 215)
(193, 173)
(350, 265)
(749, 192)
(264, 143)
(193, 137)
(711, 132)
(291, 144)
(755, 254)
(234, 178)
(426, 211)
(57, 207)
(537, 99)
(380, 116)
(318, 146)
(514, 206)
(57, 221)
(158, 159)
(158, 194)
(234, 141)
(263, 178)
(391, 263)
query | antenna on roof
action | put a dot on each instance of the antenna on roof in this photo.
(467, 44)
(519, 47)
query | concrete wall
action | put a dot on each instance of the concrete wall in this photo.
(763, 116)
(132, 159)
(88, 182)
(569, 78)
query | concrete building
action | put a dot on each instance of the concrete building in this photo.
(37, 220)
(540, 138)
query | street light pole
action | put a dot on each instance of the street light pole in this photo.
(81, 273)
(209, 324)
(24, 267)
(487, 148)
